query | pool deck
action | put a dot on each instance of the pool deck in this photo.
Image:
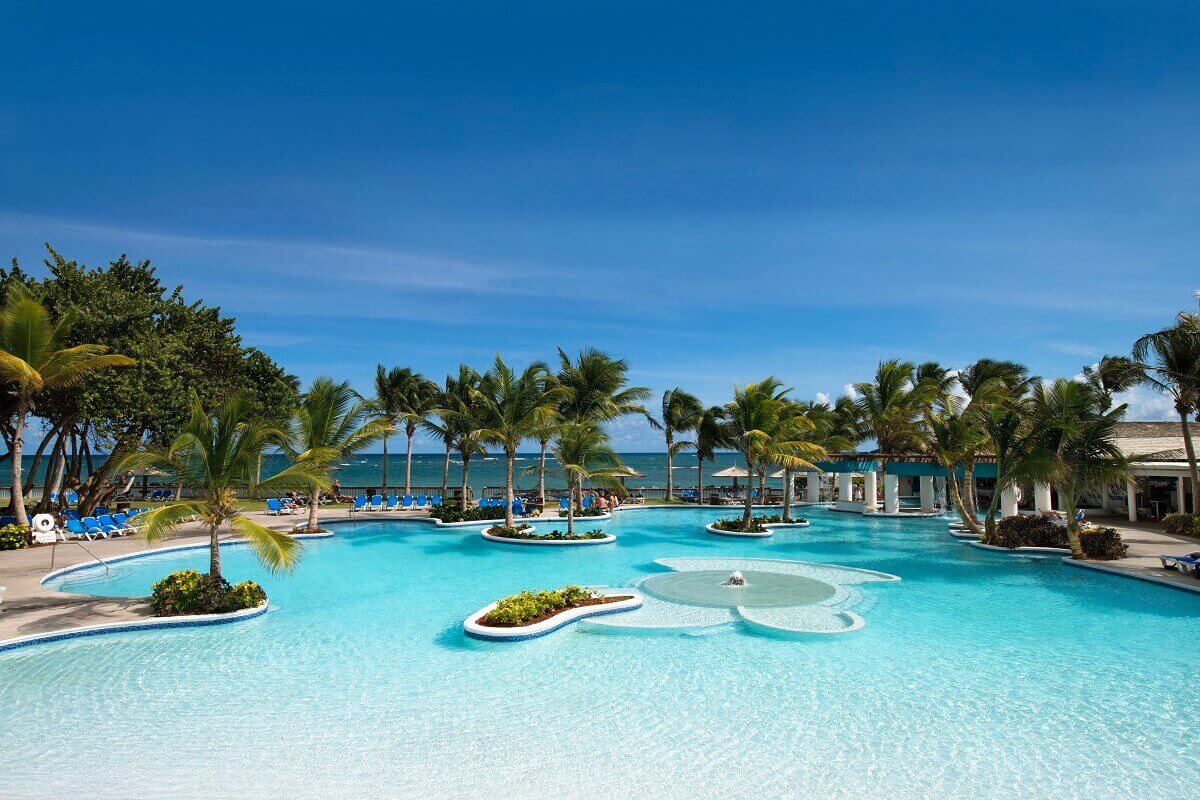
(31, 608)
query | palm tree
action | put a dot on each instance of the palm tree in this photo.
(828, 431)
(511, 408)
(1113, 374)
(390, 404)
(331, 422)
(442, 429)
(461, 417)
(709, 427)
(594, 388)
(1077, 440)
(215, 454)
(420, 400)
(680, 413)
(762, 428)
(33, 360)
(1170, 359)
(583, 454)
(984, 383)
(889, 407)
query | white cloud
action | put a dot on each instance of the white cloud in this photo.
(1147, 405)
(1074, 349)
(850, 391)
(823, 397)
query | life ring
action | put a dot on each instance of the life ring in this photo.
(43, 523)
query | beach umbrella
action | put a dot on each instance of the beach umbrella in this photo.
(629, 472)
(732, 472)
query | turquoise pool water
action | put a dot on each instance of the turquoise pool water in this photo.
(976, 676)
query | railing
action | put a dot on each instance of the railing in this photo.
(712, 494)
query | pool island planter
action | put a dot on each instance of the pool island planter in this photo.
(770, 529)
(476, 630)
(491, 537)
(1016, 551)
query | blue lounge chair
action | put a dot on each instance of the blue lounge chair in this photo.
(360, 504)
(274, 507)
(518, 508)
(485, 502)
(7, 520)
(587, 501)
(422, 500)
(392, 503)
(75, 530)
(109, 523)
(94, 527)
(564, 503)
(71, 513)
(376, 503)
(435, 501)
(406, 503)
(1184, 564)
(72, 498)
(101, 510)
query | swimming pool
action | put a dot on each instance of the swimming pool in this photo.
(975, 676)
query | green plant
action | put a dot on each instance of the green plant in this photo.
(514, 532)
(591, 512)
(1181, 524)
(190, 592)
(1028, 531)
(449, 513)
(740, 526)
(1102, 544)
(525, 607)
(14, 537)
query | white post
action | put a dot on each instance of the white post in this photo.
(845, 487)
(1041, 497)
(927, 494)
(870, 492)
(1008, 502)
(814, 487)
(1131, 499)
(1182, 501)
(891, 494)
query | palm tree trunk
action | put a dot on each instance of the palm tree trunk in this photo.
(969, 486)
(314, 494)
(408, 463)
(670, 472)
(543, 443)
(18, 444)
(699, 478)
(384, 480)
(968, 519)
(465, 470)
(787, 495)
(1069, 504)
(749, 486)
(510, 457)
(989, 522)
(1190, 448)
(214, 552)
(446, 472)
(571, 507)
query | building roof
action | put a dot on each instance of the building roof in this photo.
(1153, 441)
(1143, 430)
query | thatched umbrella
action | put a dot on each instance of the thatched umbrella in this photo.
(732, 472)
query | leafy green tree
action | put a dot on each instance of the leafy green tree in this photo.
(584, 455)
(34, 359)
(1170, 360)
(709, 436)
(512, 407)
(331, 423)
(215, 454)
(594, 388)
(890, 407)
(680, 413)
(462, 417)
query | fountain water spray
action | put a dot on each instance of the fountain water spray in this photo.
(736, 579)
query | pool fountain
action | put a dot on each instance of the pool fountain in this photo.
(736, 579)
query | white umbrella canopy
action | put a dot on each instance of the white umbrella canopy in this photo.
(731, 472)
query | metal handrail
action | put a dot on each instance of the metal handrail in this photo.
(54, 553)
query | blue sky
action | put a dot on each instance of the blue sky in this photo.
(715, 191)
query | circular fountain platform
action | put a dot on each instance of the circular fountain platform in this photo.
(762, 589)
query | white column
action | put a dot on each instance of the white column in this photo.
(927, 494)
(870, 492)
(1041, 497)
(1131, 499)
(1008, 502)
(845, 487)
(814, 487)
(1182, 497)
(891, 494)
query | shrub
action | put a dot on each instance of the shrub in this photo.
(1028, 531)
(526, 606)
(1103, 544)
(508, 532)
(1181, 524)
(14, 537)
(190, 592)
(757, 524)
(590, 512)
(456, 514)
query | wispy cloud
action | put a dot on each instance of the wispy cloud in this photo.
(1074, 349)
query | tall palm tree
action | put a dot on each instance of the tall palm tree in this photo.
(215, 454)
(984, 383)
(594, 388)
(440, 424)
(511, 408)
(420, 400)
(1113, 374)
(761, 427)
(34, 360)
(1077, 442)
(1170, 359)
(583, 454)
(709, 427)
(828, 431)
(390, 403)
(462, 416)
(330, 423)
(680, 413)
(889, 407)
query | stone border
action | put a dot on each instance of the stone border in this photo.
(965, 535)
(563, 618)
(855, 623)
(1019, 550)
(608, 538)
(149, 623)
(1137, 576)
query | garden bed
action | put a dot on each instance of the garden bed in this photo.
(527, 534)
(529, 614)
